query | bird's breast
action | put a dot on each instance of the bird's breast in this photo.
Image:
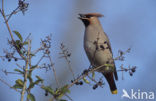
(96, 47)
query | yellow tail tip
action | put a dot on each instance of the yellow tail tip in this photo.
(114, 91)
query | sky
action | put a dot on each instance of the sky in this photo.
(128, 24)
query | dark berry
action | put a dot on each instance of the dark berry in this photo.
(130, 73)
(9, 60)
(71, 81)
(77, 83)
(46, 93)
(85, 71)
(100, 83)
(126, 70)
(133, 70)
(69, 55)
(95, 86)
(81, 83)
(16, 59)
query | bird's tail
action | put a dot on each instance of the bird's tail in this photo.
(110, 79)
(115, 74)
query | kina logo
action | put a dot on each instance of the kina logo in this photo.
(140, 95)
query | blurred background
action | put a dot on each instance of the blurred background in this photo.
(128, 24)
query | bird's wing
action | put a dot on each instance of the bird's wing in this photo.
(109, 46)
(108, 43)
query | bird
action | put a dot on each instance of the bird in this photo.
(98, 48)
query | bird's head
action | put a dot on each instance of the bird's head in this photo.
(90, 18)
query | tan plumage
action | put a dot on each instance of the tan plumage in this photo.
(98, 48)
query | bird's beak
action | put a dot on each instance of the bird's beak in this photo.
(82, 17)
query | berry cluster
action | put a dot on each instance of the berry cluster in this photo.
(78, 82)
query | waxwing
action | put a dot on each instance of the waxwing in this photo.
(98, 48)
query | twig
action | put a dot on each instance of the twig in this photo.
(40, 60)
(92, 79)
(36, 64)
(27, 37)
(36, 51)
(3, 14)
(122, 54)
(8, 85)
(2, 5)
(6, 72)
(66, 54)
(69, 97)
(19, 66)
(122, 71)
(70, 68)
(25, 73)
(53, 68)
(13, 12)
(10, 32)
(84, 75)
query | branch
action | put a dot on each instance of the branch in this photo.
(53, 68)
(10, 32)
(85, 74)
(26, 69)
(66, 56)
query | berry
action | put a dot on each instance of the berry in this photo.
(77, 83)
(71, 81)
(9, 60)
(85, 71)
(133, 70)
(16, 59)
(81, 83)
(130, 73)
(95, 86)
(46, 93)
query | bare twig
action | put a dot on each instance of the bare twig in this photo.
(69, 97)
(6, 72)
(121, 54)
(92, 79)
(66, 56)
(122, 72)
(27, 37)
(8, 85)
(36, 51)
(53, 68)
(19, 66)
(36, 66)
(40, 60)
(13, 12)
